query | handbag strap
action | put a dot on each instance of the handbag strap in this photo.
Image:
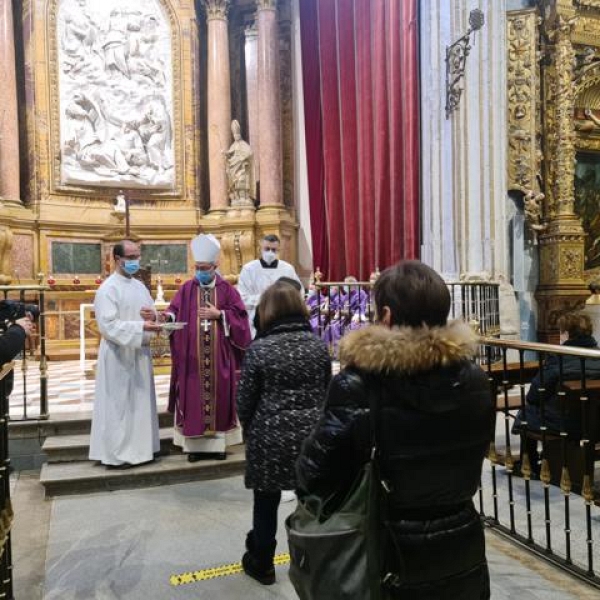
(377, 500)
(374, 386)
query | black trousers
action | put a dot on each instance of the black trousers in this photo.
(264, 522)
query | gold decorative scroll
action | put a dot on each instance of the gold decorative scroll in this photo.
(523, 101)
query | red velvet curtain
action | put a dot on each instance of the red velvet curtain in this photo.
(361, 102)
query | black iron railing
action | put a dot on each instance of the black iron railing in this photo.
(36, 346)
(6, 511)
(538, 482)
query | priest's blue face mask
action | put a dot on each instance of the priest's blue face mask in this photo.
(131, 267)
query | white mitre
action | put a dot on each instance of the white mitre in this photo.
(205, 248)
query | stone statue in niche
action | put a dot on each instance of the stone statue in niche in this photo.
(240, 170)
(116, 98)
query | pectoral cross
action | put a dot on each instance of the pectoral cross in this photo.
(206, 322)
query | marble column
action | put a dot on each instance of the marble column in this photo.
(251, 59)
(219, 102)
(269, 109)
(464, 156)
(9, 118)
(301, 195)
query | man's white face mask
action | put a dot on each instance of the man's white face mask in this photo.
(269, 256)
(564, 336)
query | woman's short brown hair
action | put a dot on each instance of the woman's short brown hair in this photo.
(278, 301)
(575, 324)
(415, 294)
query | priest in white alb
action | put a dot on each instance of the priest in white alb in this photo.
(257, 275)
(124, 422)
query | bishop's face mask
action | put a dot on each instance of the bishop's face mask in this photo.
(204, 277)
(131, 267)
(269, 256)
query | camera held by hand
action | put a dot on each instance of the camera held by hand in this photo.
(13, 310)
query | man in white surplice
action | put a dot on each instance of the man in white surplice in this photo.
(257, 275)
(124, 423)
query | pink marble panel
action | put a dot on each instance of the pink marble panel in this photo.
(22, 257)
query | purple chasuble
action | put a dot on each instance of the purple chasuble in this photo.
(206, 358)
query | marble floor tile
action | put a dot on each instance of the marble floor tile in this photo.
(126, 545)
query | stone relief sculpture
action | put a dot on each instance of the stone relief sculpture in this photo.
(240, 170)
(116, 99)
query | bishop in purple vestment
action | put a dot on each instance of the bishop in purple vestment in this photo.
(206, 357)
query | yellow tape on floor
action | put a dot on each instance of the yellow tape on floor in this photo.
(222, 571)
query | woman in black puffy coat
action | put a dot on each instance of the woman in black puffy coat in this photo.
(435, 426)
(280, 396)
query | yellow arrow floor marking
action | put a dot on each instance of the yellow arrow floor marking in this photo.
(221, 571)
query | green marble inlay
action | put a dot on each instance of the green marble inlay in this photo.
(172, 257)
(76, 259)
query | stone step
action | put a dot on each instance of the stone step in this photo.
(69, 448)
(76, 423)
(61, 479)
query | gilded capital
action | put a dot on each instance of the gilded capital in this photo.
(266, 4)
(216, 9)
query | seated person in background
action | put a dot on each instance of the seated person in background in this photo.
(575, 330)
(317, 303)
(356, 302)
(333, 330)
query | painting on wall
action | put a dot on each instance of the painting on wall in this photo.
(76, 258)
(165, 259)
(116, 93)
(587, 204)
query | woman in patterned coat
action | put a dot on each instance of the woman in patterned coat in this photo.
(279, 399)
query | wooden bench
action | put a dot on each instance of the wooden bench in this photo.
(574, 453)
(506, 379)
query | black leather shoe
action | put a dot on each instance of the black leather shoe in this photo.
(196, 456)
(252, 569)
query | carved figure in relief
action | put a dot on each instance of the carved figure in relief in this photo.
(116, 93)
(115, 45)
(240, 169)
(155, 132)
(88, 143)
(78, 38)
(532, 210)
(145, 59)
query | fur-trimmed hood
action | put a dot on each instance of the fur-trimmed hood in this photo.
(378, 349)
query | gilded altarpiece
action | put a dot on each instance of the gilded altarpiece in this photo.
(551, 151)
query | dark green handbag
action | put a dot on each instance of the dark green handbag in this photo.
(335, 557)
